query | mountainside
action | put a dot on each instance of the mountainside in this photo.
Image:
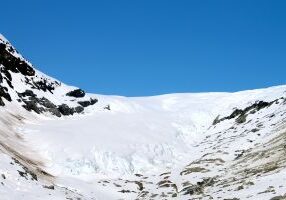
(57, 142)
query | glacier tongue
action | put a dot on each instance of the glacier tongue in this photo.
(139, 139)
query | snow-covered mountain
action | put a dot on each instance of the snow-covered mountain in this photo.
(57, 142)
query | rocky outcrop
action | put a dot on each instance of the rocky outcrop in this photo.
(66, 110)
(13, 63)
(242, 114)
(88, 103)
(38, 105)
(78, 93)
(4, 94)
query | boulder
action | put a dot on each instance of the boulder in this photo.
(87, 103)
(78, 93)
(78, 109)
(65, 109)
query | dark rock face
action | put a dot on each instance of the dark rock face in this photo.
(13, 63)
(1, 102)
(78, 93)
(78, 109)
(46, 103)
(65, 109)
(55, 111)
(41, 105)
(27, 93)
(10, 63)
(87, 103)
(43, 84)
(4, 93)
(242, 114)
(32, 106)
(17, 65)
(38, 105)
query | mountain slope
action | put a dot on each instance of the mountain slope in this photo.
(59, 143)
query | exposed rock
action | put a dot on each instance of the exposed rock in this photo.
(14, 64)
(55, 111)
(190, 170)
(47, 103)
(242, 114)
(32, 106)
(26, 173)
(3, 176)
(1, 102)
(7, 74)
(88, 103)
(4, 93)
(107, 107)
(241, 119)
(50, 187)
(78, 109)
(199, 187)
(27, 93)
(66, 110)
(44, 85)
(279, 198)
(78, 93)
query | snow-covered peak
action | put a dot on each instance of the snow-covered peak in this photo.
(23, 85)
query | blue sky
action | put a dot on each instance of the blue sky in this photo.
(139, 48)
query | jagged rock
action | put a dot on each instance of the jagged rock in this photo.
(4, 93)
(107, 107)
(1, 102)
(33, 102)
(55, 111)
(78, 93)
(27, 93)
(51, 187)
(199, 187)
(241, 119)
(46, 103)
(14, 64)
(242, 114)
(66, 110)
(44, 85)
(216, 120)
(9, 83)
(7, 74)
(87, 103)
(32, 106)
(78, 109)
(26, 172)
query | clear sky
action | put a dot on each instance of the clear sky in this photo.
(149, 47)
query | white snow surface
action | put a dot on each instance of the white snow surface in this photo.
(142, 135)
(137, 135)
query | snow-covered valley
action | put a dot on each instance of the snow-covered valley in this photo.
(57, 142)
